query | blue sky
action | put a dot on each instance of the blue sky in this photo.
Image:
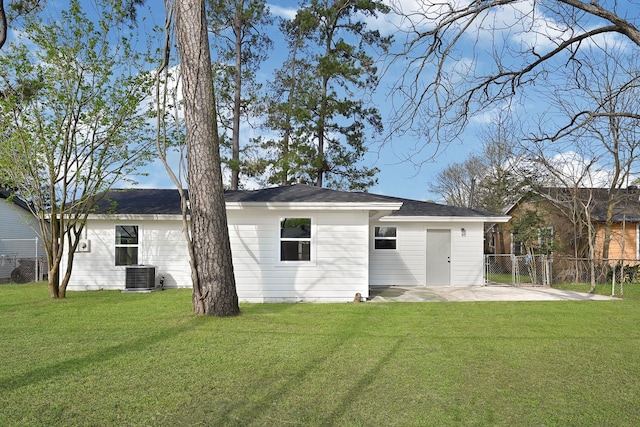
(397, 176)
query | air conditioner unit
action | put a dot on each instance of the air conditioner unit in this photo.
(140, 277)
(84, 246)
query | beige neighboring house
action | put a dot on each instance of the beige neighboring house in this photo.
(570, 237)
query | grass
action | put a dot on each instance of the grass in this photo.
(105, 358)
(506, 278)
(500, 278)
(629, 291)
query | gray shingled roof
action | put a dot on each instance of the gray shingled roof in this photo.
(627, 200)
(140, 201)
(155, 201)
(6, 194)
(418, 208)
(302, 194)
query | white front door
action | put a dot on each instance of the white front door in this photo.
(438, 258)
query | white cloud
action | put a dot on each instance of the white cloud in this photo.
(573, 167)
(522, 24)
(282, 12)
(386, 24)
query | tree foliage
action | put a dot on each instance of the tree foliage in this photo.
(16, 9)
(19, 8)
(72, 120)
(490, 180)
(530, 229)
(603, 136)
(286, 153)
(242, 45)
(319, 105)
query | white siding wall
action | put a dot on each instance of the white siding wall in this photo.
(467, 255)
(16, 223)
(338, 270)
(339, 265)
(406, 266)
(161, 244)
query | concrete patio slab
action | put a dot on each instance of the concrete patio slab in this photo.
(476, 293)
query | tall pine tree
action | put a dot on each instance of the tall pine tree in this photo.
(241, 48)
(319, 98)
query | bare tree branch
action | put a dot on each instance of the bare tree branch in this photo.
(462, 58)
(619, 24)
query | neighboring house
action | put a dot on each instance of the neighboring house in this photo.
(20, 242)
(563, 220)
(295, 243)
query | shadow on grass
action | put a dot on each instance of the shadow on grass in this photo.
(250, 411)
(281, 397)
(367, 378)
(68, 366)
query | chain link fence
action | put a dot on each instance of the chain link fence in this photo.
(543, 270)
(21, 261)
(583, 270)
(518, 270)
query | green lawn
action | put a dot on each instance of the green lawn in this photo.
(500, 278)
(105, 358)
(629, 290)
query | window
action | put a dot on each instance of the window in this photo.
(542, 245)
(545, 240)
(384, 238)
(126, 244)
(517, 248)
(295, 239)
(491, 244)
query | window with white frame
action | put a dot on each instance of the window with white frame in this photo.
(385, 237)
(517, 248)
(295, 239)
(543, 246)
(545, 240)
(127, 241)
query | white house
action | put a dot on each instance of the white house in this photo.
(20, 242)
(295, 243)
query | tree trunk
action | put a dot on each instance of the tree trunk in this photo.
(53, 282)
(288, 126)
(53, 250)
(3, 24)
(237, 95)
(592, 253)
(321, 160)
(214, 292)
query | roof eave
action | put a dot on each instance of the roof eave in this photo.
(482, 219)
(134, 217)
(340, 206)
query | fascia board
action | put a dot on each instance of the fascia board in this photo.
(445, 219)
(387, 208)
(345, 206)
(134, 217)
(376, 215)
